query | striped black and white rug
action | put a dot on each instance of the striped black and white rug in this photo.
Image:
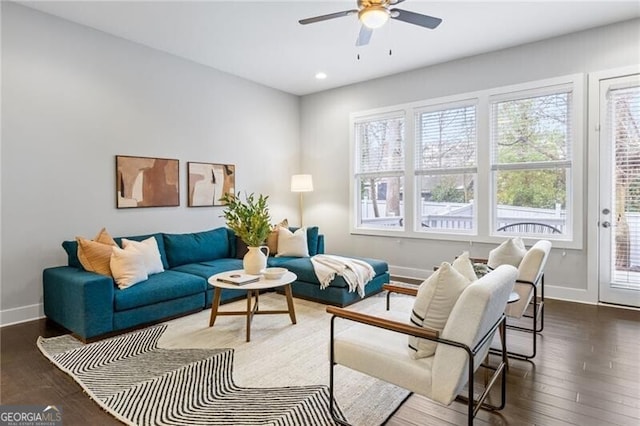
(142, 384)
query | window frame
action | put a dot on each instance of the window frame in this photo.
(419, 172)
(567, 164)
(355, 183)
(483, 204)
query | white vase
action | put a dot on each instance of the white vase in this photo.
(255, 260)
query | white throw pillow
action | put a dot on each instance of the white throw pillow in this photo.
(128, 266)
(509, 252)
(436, 297)
(149, 248)
(464, 265)
(292, 244)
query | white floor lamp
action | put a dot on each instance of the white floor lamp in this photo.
(301, 184)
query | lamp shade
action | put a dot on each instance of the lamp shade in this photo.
(301, 183)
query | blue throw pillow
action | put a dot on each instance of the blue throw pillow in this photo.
(71, 247)
(198, 247)
(312, 240)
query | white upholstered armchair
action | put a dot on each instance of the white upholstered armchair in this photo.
(530, 289)
(378, 346)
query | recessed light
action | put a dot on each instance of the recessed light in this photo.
(321, 76)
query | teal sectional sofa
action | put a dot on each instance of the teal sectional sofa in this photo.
(91, 306)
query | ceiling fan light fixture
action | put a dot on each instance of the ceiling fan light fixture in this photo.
(373, 16)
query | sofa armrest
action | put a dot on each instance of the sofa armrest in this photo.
(80, 301)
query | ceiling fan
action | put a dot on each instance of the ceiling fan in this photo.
(374, 14)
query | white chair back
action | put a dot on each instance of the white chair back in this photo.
(530, 270)
(479, 307)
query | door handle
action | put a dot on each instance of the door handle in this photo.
(606, 224)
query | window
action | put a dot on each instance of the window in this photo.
(531, 139)
(446, 169)
(474, 166)
(380, 172)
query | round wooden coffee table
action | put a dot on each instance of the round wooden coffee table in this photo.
(253, 291)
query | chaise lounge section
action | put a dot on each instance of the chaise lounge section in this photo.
(91, 306)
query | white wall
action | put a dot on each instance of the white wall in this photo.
(325, 141)
(73, 98)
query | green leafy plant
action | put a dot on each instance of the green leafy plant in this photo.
(250, 220)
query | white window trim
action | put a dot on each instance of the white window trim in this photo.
(483, 203)
(471, 102)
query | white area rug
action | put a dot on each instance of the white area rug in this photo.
(280, 355)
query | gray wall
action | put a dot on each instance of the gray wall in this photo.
(325, 140)
(73, 98)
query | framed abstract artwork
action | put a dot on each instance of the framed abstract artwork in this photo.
(147, 182)
(209, 182)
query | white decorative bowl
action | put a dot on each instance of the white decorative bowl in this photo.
(274, 273)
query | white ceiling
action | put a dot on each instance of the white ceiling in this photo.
(263, 42)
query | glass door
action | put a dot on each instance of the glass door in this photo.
(619, 231)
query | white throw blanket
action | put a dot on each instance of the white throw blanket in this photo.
(355, 272)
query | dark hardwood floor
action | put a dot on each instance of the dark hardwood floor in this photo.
(587, 372)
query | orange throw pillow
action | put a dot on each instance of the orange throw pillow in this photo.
(95, 255)
(272, 238)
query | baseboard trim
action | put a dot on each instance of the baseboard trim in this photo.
(22, 314)
(413, 273)
(550, 291)
(568, 294)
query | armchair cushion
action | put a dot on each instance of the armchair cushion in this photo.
(509, 252)
(436, 297)
(366, 349)
(464, 265)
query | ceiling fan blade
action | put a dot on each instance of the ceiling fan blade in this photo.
(415, 18)
(327, 17)
(364, 36)
(394, 2)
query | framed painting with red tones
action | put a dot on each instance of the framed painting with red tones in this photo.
(209, 182)
(147, 182)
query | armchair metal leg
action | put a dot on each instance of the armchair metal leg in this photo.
(474, 405)
(538, 307)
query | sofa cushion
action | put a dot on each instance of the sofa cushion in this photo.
(212, 267)
(292, 243)
(150, 251)
(128, 266)
(159, 241)
(167, 285)
(197, 247)
(71, 248)
(303, 268)
(313, 235)
(272, 238)
(95, 255)
(241, 249)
